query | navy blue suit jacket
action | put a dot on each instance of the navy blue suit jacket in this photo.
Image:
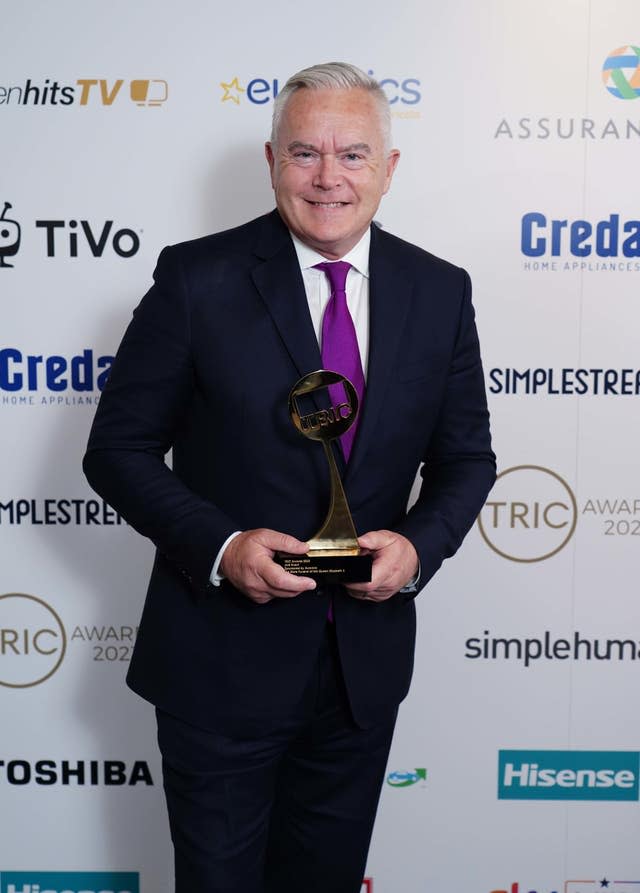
(205, 369)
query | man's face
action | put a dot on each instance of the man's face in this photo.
(329, 168)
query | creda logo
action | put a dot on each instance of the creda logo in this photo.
(621, 72)
(56, 373)
(568, 775)
(611, 237)
(69, 882)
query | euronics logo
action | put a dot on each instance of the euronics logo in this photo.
(568, 774)
(69, 882)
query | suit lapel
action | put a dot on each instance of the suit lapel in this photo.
(279, 282)
(390, 289)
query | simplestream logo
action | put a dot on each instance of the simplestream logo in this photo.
(69, 882)
(621, 72)
(407, 778)
(568, 775)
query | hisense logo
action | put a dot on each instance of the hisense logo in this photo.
(69, 882)
(568, 775)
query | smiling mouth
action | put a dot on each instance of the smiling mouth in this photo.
(327, 204)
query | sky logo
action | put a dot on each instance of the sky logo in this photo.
(69, 882)
(407, 779)
(568, 775)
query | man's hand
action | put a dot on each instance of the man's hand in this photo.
(248, 564)
(395, 563)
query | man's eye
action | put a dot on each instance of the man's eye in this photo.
(352, 157)
(302, 155)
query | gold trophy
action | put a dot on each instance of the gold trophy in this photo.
(334, 555)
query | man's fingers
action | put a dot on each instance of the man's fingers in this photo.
(248, 564)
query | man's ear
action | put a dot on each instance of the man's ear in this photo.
(268, 153)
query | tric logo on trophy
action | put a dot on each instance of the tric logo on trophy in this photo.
(334, 554)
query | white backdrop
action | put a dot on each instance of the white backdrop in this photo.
(128, 126)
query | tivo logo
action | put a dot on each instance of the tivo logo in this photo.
(568, 775)
(69, 882)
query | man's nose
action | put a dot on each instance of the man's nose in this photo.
(327, 174)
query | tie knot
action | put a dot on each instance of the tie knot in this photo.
(337, 273)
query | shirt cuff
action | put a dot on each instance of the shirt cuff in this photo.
(216, 578)
(412, 585)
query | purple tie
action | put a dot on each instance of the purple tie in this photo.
(340, 352)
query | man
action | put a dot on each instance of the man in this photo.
(276, 698)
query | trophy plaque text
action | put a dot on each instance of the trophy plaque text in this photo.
(334, 555)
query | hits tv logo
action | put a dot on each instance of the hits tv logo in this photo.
(142, 92)
(69, 882)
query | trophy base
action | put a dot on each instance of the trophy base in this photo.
(328, 566)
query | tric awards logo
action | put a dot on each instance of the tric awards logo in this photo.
(33, 640)
(9, 236)
(621, 72)
(531, 514)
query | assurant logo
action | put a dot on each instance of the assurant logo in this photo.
(621, 72)
(568, 775)
(69, 882)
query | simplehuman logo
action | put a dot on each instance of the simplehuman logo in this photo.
(568, 775)
(621, 72)
(69, 882)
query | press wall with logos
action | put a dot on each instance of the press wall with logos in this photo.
(125, 127)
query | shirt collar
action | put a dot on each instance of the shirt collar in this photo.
(358, 257)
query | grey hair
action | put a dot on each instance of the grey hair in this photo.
(332, 76)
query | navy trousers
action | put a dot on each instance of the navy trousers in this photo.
(290, 812)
